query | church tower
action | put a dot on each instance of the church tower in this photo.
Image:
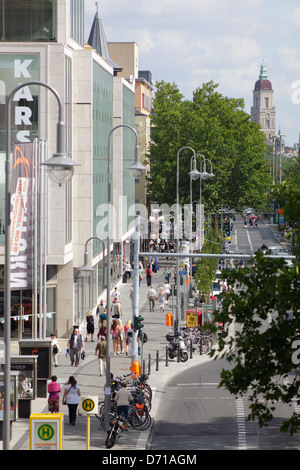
(263, 110)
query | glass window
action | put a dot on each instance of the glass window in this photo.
(28, 20)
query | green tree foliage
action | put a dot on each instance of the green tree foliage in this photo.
(206, 268)
(220, 129)
(265, 315)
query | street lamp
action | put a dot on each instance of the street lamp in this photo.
(135, 170)
(86, 270)
(67, 164)
(177, 231)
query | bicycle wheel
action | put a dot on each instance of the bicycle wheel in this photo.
(207, 344)
(140, 422)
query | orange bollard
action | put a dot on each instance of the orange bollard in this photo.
(136, 369)
(169, 319)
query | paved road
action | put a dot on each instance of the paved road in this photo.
(195, 414)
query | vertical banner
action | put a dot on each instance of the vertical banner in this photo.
(23, 213)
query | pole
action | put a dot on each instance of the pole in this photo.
(88, 428)
(135, 311)
(107, 392)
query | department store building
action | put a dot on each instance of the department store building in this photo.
(44, 40)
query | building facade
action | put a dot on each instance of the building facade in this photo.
(49, 47)
(263, 110)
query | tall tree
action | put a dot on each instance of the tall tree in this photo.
(265, 313)
(220, 129)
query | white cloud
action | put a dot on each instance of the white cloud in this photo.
(193, 41)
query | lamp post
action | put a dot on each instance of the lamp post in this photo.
(136, 170)
(177, 231)
(86, 270)
(60, 162)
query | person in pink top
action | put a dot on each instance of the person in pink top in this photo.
(53, 399)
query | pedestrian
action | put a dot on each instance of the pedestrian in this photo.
(75, 344)
(167, 274)
(115, 335)
(175, 276)
(116, 294)
(100, 350)
(71, 398)
(123, 398)
(103, 316)
(140, 275)
(128, 340)
(53, 399)
(167, 291)
(161, 299)
(131, 294)
(102, 329)
(151, 296)
(149, 275)
(100, 309)
(128, 270)
(116, 310)
(55, 348)
(90, 326)
(126, 328)
(121, 336)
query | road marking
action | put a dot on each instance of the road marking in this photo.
(242, 441)
(250, 244)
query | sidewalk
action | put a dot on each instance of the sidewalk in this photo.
(87, 376)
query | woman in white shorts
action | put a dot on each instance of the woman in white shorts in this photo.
(161, 298)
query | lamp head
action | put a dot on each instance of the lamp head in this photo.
(60, 168)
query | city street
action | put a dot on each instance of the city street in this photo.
(197, 415)
(188, 407)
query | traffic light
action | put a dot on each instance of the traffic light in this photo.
(137, 323)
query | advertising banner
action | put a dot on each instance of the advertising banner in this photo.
(23, 213)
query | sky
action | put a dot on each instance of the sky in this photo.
(190, 42)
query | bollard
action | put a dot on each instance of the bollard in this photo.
(149, 364)
(143, 367)
(135, 369)
(157, 359)
(191, 349)
(200, 346)
(178, 354)
(167, 356)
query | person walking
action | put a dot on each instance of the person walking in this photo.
(167, 274)
(151, 296)
(100, 350)
(123, 398)
(116, 310)
(121, 336)
(90, 326)
(75, 344)
(100, 310)
(148, 275)
(55, 348)
(102, 329)
(71, 398)
(116, 294)
(161, 299)
(115, 334)
(126, 328)
(53, 398)
(167, 291)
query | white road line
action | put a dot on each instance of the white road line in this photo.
(242, 440)
(248, 236)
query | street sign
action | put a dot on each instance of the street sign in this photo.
(182, 273)
(88, 405)
(46, 431)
